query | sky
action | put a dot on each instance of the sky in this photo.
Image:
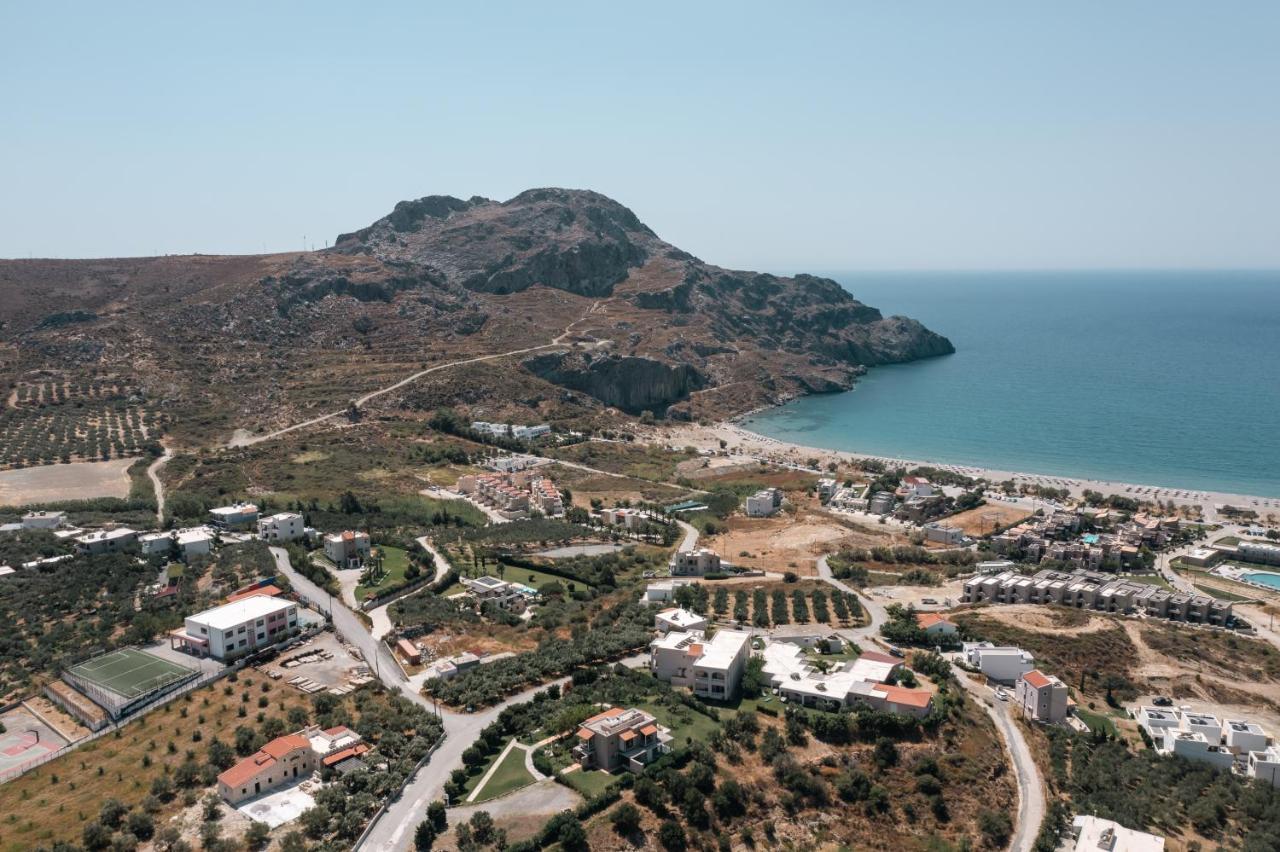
(783, 137)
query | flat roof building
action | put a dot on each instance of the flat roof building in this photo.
(1102, 835)
(238, 628)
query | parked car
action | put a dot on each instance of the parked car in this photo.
(1162, 701)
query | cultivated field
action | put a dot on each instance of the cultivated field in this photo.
(57, 482)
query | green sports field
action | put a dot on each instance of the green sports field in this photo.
(129, 672)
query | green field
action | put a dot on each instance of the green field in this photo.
(394, 563)
(1096, 721)
(589, 782)
(535, 578)
(129, 672)
(511, 774)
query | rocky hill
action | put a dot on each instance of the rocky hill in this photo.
(594, 308)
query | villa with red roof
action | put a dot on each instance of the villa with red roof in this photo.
(620, 739)
(288, 759)
(935, 625)
(1041, 697)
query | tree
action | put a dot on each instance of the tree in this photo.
(95, 836)
(220, 754)
(482, 828)
(258, 835)
(885, 753)
(436, 814)
(140, 825)
(1112, 682)
(424, 836)
(572, 837)
(112, 812)
(995, 827)
(671, 836)
(626, 819)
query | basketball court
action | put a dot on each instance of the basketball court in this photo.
(26, 739)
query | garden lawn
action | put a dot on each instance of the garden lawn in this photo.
(1096, 721)
(589, 782)
(511, 774)
(534, 578)
(394, 563)
(683, 722)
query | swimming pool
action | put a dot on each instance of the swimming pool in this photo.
(1090, 538)
(1264, 578)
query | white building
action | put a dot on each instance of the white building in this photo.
(197, 541)
(860, 682)
(498, 592)
(156, 544)
(282, 526)
(1004, 664)
(1041, 697)
(43, 520)
(347, 549)
(695, 562)
(1265, 765)
(712, 668)
(1102, 835)
(1156, 720)
(106, 541)
(935, 625)
(1243, 736)
(943, 534)
(826, 488)
(680, 620)
(764, 503)
(238, 628)
(237, 516)
(1195, 746)
(662, 591)
(914, 486)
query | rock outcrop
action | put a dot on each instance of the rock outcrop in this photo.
(630, 383)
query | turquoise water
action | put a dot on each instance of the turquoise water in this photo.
(1272, 580)
(1160, 378)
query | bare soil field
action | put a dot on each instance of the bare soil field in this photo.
(984, 520)
(57, 482)
(777, 544)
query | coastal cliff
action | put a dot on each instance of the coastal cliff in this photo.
(597, 312)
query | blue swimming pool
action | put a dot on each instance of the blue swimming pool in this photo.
(1090, 538)
(1264, 578)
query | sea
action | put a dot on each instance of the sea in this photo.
(1154, 378)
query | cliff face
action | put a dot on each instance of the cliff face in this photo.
(630, 383)
(637, 324)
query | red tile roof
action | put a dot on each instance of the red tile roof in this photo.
(339, 756)
(1036, 678)
(246, 770)
(877, 657)
(281, 746)
(649, 730)
(608, 714)
(906, 697)
(925, 620)
(269, 591)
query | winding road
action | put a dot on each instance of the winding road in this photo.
(153, 473)
(1031, 798)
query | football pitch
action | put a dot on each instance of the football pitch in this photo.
(129, 672)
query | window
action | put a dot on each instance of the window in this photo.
(241, 630)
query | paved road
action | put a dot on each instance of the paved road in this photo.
(1031, 802)
(690, 536)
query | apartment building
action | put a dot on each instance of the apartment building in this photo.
(282, 526)
(1264, 764)
(44, 520)
(98, 542)
(680, 620)
(1096, 591)
(237, 516)
(1256, 551)
(1041, 697)
(914, 486)
(620, 516)
(881, 503)
(348, 549)
(710, 667)
(238, 628)
(695, 562)
(764, 503)
(1001, 663)
(196, 541)
(943, 534)
(620, 739)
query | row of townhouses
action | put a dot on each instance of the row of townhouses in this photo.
(1096, 591)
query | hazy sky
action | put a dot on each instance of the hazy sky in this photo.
(776, 136)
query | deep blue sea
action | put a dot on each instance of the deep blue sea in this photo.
(1160, 378)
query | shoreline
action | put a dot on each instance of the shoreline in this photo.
(745, 441)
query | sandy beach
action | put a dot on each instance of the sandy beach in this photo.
(740, 442)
